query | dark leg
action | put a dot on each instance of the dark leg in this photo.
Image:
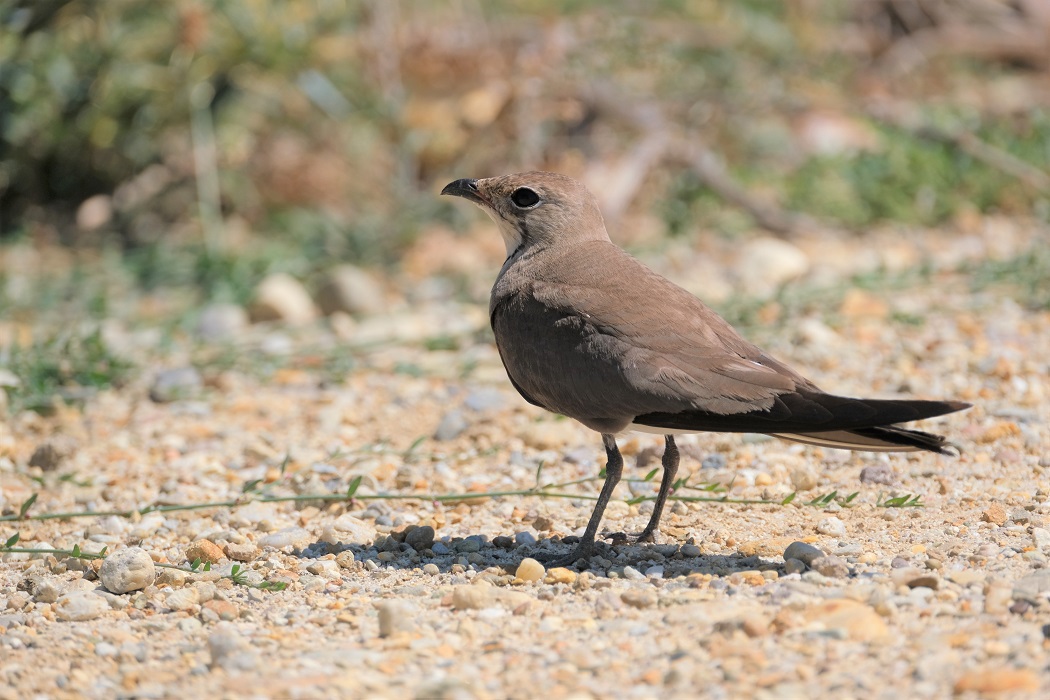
(670, 462)
(613, 471)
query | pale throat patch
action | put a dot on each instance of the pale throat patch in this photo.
(510, 234)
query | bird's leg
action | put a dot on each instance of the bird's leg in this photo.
(670, 463)
(613, 471)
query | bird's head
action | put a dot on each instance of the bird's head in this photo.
(535, 208)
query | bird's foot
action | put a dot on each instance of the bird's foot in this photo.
(583, 551)
(647, 535)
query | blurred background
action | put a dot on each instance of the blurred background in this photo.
(197, 167)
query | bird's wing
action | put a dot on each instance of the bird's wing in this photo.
(668, 343)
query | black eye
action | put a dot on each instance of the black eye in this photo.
(524, 198)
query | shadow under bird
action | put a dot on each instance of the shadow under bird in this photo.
(587, 331)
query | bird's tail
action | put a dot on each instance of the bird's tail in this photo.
(889, 438)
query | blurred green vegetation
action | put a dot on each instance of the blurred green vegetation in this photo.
(199, 146)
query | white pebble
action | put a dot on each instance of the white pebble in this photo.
(127, 570)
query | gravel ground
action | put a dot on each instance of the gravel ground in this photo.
(431, 598)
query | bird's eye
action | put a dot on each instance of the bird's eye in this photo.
(524, 198)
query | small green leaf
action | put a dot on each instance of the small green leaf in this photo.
(650, 475)
(354, 483)
(12, 540)
(195, 564)
(76, 551)
(415, 443)
(24, 508)
(790, 497)
(250, 485)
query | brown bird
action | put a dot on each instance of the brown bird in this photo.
(587, 331)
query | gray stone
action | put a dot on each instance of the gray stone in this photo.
(1033, 587)
(221, 322)
(451, 426)
(716, 460)
(420, 538)
(878, 474)
(80, 605)
(485, 400)
(50, 453)
(831, 566)
(524, 539)
(176, 385)
(803, 552)
(351, 290)
(794, 566)
(129, 569)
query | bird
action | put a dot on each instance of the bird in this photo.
(587, 331)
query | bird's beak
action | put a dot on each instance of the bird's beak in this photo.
(467, 188)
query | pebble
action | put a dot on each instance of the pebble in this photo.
(997, 598)
(632, 574)
(78, 606)
(803, 552)
(287, 537)
(794, 566)
(691, 550)
(1041, 538)
(880, 473)
(451, 426)
(420, 538)
(716, 460)
(219, 610)
(560, 574)
(176, 384)
(530, 570)
(857, 621)
(481, 595)
(230, 651)
(831, 565)
(524, 539)
(183, 598)
(205, 550)
(997, 680)
(766, 263)
(833, 527)
(346, 529)
(639, 598)
(483, 400)
(804, 479)
(915, 578)
(395, 616)
(218, 322)
(995, 514)
(351, 290)
(548, 434)
(240, 552)
(1032, 587)
(50, 453)
(281, 297)
(431, 569)
(129, 569)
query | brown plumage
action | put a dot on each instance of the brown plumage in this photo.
(587, 331)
